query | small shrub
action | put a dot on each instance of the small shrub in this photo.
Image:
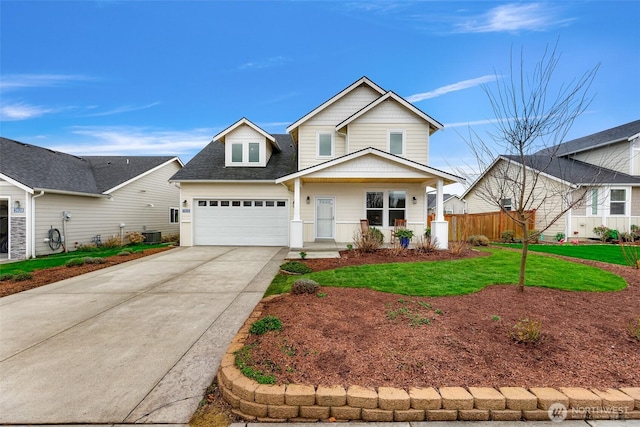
(6, 276)
(87, 247)
(534, 236)
(295, 267)
(427, 232)
(304, 286)
(93, 260)
(527, 331)
(170, 238)
(134, 237)
(303, 255)
(634, 329)
(74, 262)
(507, 236)
(426, 245)
(369, 241)
(478, 240)
(457, 247)
(266, 324)
(22, 276)
(495, 318)
(559, 237)
(124, 253)
(112, 242)
(349, 247)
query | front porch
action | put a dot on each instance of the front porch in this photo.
(330, 199)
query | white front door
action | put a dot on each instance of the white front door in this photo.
(325, 217)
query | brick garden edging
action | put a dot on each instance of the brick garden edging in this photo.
(308, 403)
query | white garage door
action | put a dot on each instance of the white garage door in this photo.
(248, 222)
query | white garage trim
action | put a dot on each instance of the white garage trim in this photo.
(241, 222)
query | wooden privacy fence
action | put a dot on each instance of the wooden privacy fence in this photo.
(491, 224)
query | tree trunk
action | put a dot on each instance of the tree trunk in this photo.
(525, 250)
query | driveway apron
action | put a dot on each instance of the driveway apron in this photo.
(134, 343)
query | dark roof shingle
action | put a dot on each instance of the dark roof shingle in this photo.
(42, 168)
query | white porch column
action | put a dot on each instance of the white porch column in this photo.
(296, 232)
(440, 227)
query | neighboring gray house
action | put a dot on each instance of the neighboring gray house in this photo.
(452, 204)
(80, 198)
(604, 167)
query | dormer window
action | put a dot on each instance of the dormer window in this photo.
(245, 154)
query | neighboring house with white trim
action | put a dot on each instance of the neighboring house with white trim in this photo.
(604, 165)
(452, 204)
(362, 154)
(81, 197)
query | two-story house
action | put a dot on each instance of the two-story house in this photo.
(362, 154)
(600, 171)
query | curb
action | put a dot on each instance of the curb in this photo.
(310, 403)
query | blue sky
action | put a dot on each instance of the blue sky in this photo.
(146, 77)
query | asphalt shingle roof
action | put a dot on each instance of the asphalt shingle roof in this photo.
(597, 139)
(42, 168)
(575, 171)
(209, 164)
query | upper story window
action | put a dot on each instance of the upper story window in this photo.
(396, 142)
(506, 204)
(325, 144)
(618, 202)
(245, 154)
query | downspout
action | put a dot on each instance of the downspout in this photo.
(32, 217)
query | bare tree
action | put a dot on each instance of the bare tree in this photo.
(532, 119)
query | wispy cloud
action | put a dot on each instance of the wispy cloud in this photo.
(23, 81)
(274, 61)
(464, 84)
(133, 140)
(515, 17)
(123, 109)
(473, 123)
(22, 111)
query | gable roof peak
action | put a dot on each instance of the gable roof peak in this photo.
(246, 122)
(364, 80)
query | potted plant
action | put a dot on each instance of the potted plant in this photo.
(405, 236)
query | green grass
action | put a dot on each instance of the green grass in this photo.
(463, 276)
(57, 260)
(606, 253)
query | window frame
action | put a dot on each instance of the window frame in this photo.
(385, 222)
(404, 141)
(504, 204)
(174, 215)
(594, 197)
(319, 134)
(624, 202)
(246, 145)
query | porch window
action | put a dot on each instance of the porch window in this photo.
(375, 207)
(236, 153)
(384, 207)
(618, 202)
(254, 152)
(396, 142)
(325, 145)
(397, 206)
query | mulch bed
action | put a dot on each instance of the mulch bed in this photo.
(51, 275)
(347, 337)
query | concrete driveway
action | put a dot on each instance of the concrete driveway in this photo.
(134, 343)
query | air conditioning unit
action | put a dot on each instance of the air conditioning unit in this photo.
(152, 237)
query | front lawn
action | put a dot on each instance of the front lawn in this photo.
(606, 253)
(462, 276)
(57, 260)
